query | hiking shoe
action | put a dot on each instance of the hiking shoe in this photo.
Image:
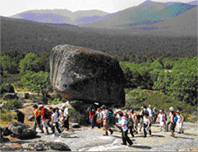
(123, 144)
(130, 145)
(111, 132)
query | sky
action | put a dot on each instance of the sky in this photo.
(12, 7)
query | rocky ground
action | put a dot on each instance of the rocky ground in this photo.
(87, 139)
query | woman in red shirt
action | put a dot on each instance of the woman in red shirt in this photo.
(91, 117)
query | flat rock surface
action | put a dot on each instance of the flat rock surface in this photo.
(87, 139)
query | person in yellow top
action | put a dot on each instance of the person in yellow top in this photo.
(37, 118)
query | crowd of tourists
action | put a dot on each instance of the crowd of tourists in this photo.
(104, 117)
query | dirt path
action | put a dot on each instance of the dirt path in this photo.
(87, 139)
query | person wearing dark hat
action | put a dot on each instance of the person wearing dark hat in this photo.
(20, 115)
(123, 124)
(37, 118)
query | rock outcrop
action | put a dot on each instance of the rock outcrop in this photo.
(21, 130)
(84, 74)
(48, 146)
(39, 100)
(8, 88)
(10, 96)
(23, 95)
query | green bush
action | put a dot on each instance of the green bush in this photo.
(11, 104)
(7, 116)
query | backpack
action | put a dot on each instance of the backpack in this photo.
(175, 119)
(110, 115)
(46, 115)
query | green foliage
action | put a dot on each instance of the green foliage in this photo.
(56, 101)
(10, 104)
(7, 116)
(31, 62)
(37, 82)
(9, 65)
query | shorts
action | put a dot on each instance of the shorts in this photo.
(44, 122)
(105, 123)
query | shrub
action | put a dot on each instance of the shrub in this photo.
(8, 116)
(11, 104)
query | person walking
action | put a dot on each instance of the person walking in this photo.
(54, 122)
(118, 119)
(147, 124)
(105, 114)
(161, 119)
(180, 120)
(135, 120)
(37, 118)
(66, 117)
(130, 124)
(44, 118)
(99, 118)
(20, 115)
(173, 121)
(150, 110)
(155, 115)
(91, 116)
(123, 124)
(141, 118)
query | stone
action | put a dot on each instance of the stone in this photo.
(21, 130)
(76, 125)
(48, 146)
(30, 118)
(5, 131)
(10, 96)
(1, 136)
(39, 100)
(23, 95)
(8, 88)
(78, 73)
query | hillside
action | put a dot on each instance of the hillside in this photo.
(61, 16)
(26, 36)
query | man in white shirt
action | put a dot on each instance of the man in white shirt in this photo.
(123, 124)
(161, 119)
(150, 113)
(65, 117)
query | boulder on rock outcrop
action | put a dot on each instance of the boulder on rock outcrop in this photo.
(39, 100)
(23, 95)
(87, 75)
(5, 131)
(8, 88)
(21, 130)
(10, 96)
(48, 146)
(1, 136)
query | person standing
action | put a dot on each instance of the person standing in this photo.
(154, 115)
(173, 122)
(105, 114)
(66, 117)
(123, 124)
(161, 119)
(54, 122)
(37, 118)
(147, 124)
(91, 116)
(20, 115)
(118, 119)
(180, 120)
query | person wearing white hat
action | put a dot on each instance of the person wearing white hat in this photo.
(169, 121)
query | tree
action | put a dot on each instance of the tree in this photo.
(37, 82)
(8, 64)
(31, 62)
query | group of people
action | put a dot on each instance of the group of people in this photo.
(124, 121)
(51, 117)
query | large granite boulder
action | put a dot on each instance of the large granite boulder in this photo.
(21, 130)
(48, 146)
(84, 74)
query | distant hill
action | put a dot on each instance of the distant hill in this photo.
(193, 2)
(162, 15)
(127, 16)
(61, 16)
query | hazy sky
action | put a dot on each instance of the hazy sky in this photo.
(12, 7)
